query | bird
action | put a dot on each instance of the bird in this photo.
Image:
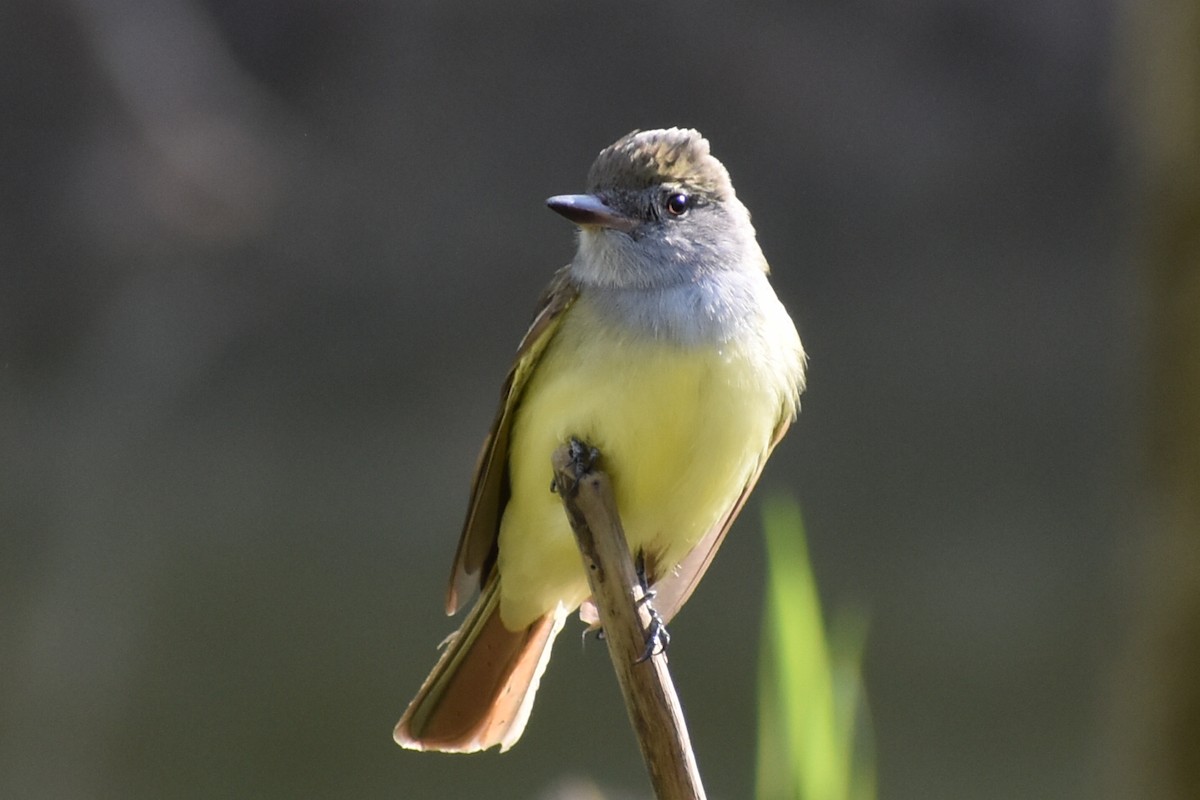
(662, 345)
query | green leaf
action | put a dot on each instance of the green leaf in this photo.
(813, 739)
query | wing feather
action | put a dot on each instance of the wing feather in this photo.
(489, 489)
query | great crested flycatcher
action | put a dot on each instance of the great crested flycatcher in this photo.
(661, 344)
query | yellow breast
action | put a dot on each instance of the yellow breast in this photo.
(680, 431)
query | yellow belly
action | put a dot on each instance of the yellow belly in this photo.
(680, 431)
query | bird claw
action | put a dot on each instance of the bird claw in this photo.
(583, 458)
(657, 637)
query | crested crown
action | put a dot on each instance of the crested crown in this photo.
(648, 158)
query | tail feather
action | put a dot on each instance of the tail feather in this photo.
(481, 691)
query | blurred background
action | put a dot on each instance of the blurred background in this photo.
(263, 266)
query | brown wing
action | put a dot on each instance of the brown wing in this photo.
(674, 589)
(489, 490)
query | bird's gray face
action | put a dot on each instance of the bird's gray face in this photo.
(660, 211)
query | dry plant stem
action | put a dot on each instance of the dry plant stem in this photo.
(649, 694)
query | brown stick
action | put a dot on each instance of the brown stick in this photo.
(650, 697)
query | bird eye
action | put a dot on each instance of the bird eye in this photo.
(678, 204)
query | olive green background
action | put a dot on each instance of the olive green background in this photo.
(263, 266)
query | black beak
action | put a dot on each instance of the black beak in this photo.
(587, 209)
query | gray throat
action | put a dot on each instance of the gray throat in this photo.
(709, 310)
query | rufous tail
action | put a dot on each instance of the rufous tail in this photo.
(481, 691)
